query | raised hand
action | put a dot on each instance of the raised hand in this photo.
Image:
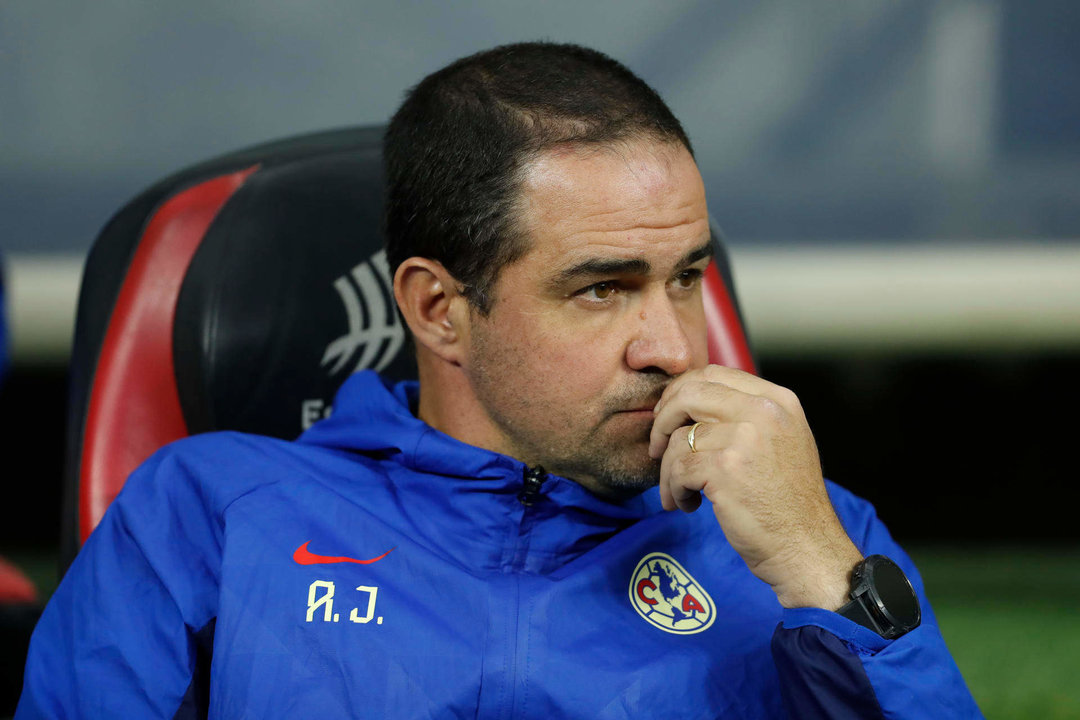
(754, 458)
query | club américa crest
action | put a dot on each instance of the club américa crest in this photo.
(669, 597)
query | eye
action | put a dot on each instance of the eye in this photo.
(600, 290)
(687, 279)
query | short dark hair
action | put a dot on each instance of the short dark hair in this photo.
(455, 150)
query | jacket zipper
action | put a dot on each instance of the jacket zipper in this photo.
(534, 480)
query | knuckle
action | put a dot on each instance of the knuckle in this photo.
(730, 460)
(788, 398)
(768, 408)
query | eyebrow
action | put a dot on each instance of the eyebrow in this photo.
(636, 266)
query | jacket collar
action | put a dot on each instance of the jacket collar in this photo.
(373, 416)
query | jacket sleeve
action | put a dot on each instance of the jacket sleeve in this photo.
(124, 633)
(831, 667)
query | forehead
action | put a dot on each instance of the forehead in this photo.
(642, 199)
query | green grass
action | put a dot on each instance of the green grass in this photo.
(1012, 620)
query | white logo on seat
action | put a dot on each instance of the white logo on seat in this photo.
(375, 335)
(669, 597)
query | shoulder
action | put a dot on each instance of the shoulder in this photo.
(214, 469)
(215, 454)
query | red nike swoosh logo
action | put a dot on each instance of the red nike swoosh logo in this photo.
(306, 557)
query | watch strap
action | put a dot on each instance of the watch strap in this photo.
(856, 611)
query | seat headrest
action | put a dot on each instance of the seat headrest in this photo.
(288, 293)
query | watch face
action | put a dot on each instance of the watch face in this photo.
(895, 595)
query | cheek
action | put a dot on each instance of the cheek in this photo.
(582, 351)
(695, 327)
(569, 365)
(700, 352)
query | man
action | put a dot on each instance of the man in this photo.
(488, 543)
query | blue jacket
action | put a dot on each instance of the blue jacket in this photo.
(376, 568)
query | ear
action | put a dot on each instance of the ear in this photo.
(434, 308)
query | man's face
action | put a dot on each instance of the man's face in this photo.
(601, 313)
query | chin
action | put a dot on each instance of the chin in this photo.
(622, 483)
(619, 490)
(615, 468)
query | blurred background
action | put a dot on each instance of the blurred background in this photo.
(899, 182)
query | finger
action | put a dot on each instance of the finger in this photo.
(710, 435)
(686, 498)
(666, 501)
(733, 378)
(697, 402)
(680, 485)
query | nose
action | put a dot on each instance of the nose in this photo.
(663, 342)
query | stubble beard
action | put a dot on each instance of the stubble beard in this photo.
(611, 463)
(614, 466)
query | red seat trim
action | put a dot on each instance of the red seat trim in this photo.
(727, 341)
(134, 406)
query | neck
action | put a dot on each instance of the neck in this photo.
(448, 404)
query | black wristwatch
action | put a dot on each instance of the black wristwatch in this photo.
(882, 598)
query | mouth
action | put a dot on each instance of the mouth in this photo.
(638, 404)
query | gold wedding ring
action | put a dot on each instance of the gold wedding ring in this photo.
(690, 437)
